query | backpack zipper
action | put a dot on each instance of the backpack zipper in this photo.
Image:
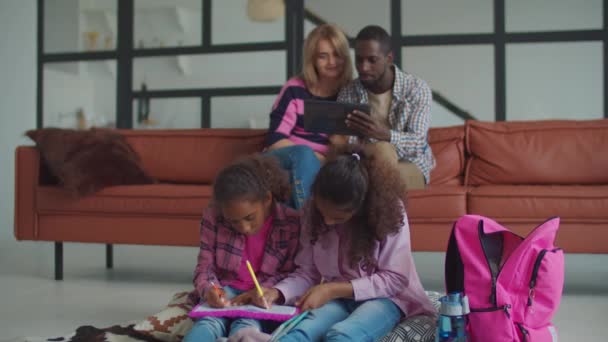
(504, 308)
(493, 293)
(535, 269)
(523, 331)
(492, 298)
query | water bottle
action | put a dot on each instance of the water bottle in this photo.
(452, 319)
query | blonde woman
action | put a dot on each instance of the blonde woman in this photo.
(327, 68)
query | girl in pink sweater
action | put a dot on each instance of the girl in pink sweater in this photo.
(355, 237)
(246, 221)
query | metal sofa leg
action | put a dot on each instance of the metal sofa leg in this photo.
(58, 260)
(109, 256)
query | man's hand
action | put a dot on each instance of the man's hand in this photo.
(315, 297)
(214, 299)
(368, 126)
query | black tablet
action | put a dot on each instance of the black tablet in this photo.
(329, 116)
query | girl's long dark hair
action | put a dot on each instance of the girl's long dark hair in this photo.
(251, 178)
(352, 178)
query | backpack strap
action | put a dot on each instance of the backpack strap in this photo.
(454, 269)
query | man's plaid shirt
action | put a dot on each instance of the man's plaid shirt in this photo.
(409, 118)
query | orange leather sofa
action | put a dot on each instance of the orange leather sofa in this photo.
(519, 173)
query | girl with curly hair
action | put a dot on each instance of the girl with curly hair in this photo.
(355, 236)
(246, 221)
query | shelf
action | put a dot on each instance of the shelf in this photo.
(178, 15)
(79, 69)
(158, 22)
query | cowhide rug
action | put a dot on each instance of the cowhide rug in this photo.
(172, 323)
(168, 325)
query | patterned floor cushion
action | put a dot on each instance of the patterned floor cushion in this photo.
(170, 324)
(416, 328)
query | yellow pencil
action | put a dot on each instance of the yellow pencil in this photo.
(255, 281)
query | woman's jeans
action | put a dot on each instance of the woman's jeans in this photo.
(212, 328)
(302, 164)
(347, 320)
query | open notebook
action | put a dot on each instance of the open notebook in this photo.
(276, 312)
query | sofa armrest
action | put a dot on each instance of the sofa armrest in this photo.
(27, 178)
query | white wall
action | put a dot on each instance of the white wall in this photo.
(463, 74)
(555, 81)
(61, 26)
(526, 15)
(544, 81)
(351, 15)
(217, 70)
(17, 95)
(462, 16)
(230, 24)
(64, 93)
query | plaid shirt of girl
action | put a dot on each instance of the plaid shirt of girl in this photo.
(221, 248)
(409, 118)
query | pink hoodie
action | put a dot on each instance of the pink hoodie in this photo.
(394, 276)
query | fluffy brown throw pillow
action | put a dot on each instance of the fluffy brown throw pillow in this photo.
(88, 161)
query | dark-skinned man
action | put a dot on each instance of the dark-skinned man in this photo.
(400, 103)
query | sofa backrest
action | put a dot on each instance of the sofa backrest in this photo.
(537, 152)
(195, 156)
(192, 156)
(447, 144)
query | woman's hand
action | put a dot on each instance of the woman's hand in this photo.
(215, 298)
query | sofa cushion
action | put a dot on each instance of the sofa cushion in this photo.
(153, 199)
(540, 202)
(436, 203)
(86, 161)
(431, 213)
(192, 156)
(447, 144)
(537, 152)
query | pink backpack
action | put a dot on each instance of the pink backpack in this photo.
(514, 285)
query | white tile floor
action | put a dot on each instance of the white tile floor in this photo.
(32, 303)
